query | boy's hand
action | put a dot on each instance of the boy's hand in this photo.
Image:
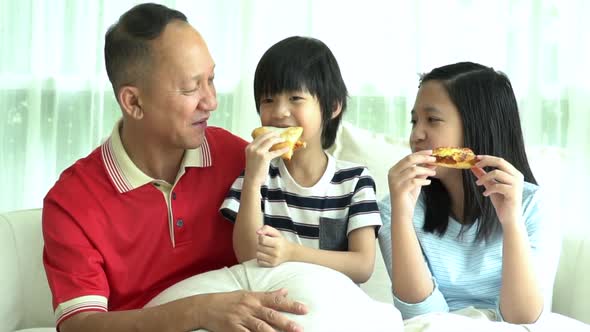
(258, 157)
(273, 249)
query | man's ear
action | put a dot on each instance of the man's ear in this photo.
(337, 110)
(129, 100)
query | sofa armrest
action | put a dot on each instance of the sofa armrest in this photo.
(571, 291)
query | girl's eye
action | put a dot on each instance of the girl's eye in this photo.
(434, 120)
(296, 98)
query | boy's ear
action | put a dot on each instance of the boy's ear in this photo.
(129, 101)
(337, 110)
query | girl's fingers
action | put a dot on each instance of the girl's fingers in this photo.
(498, 188)
(478, 172)
(417, 182)
(495, 176)
(496, 162)
(414, 172)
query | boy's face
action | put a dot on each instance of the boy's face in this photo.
(294, 108)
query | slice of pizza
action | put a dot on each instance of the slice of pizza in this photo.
(462, 158)
(291, 136)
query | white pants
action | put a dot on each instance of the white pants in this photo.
(334, 302)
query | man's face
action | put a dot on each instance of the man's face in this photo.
(178, 93)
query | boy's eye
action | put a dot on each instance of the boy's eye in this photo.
(266, 100)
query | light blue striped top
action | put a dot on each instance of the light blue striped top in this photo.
(468, 273)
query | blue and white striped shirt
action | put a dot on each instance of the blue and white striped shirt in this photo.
(321, 216)
(468, 272)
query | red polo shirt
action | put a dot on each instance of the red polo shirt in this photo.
(115, 238)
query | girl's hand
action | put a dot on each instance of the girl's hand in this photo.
(273, 249)
(258, 157)
(406, 179)
(503, 185)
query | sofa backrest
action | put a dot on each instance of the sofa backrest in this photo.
(26, 299)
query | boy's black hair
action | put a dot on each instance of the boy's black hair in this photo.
(304, 64)
(127, 50)
(491, 126)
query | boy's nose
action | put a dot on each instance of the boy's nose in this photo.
(282, 110)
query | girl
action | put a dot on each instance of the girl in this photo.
(479, 231)
(312, 208)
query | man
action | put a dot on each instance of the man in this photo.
(140, 213)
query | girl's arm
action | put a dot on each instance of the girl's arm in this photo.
(414, 289)
(521, 298)
(410, 277)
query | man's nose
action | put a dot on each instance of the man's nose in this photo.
(208, 100)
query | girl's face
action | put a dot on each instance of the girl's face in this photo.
(295, 108)
(435, 120)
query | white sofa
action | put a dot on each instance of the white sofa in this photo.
(25, 299)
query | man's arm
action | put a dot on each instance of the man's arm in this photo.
(215, 312)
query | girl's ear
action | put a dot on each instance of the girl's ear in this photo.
(337, 110)
(129, 100)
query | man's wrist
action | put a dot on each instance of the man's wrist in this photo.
(199, 312)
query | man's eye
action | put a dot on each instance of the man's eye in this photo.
(413, 122)
(189, 92)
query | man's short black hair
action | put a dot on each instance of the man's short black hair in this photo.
(304, 64)
(127, 51)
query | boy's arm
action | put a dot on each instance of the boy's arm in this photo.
(248, 220)
(249, 216)
(357, 263)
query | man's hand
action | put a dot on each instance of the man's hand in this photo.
(216, 312)
(248, 311)
(273, 249)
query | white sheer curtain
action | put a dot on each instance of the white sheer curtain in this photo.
(56, 104)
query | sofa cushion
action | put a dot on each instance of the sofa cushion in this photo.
(27, 303)
(376, 151)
